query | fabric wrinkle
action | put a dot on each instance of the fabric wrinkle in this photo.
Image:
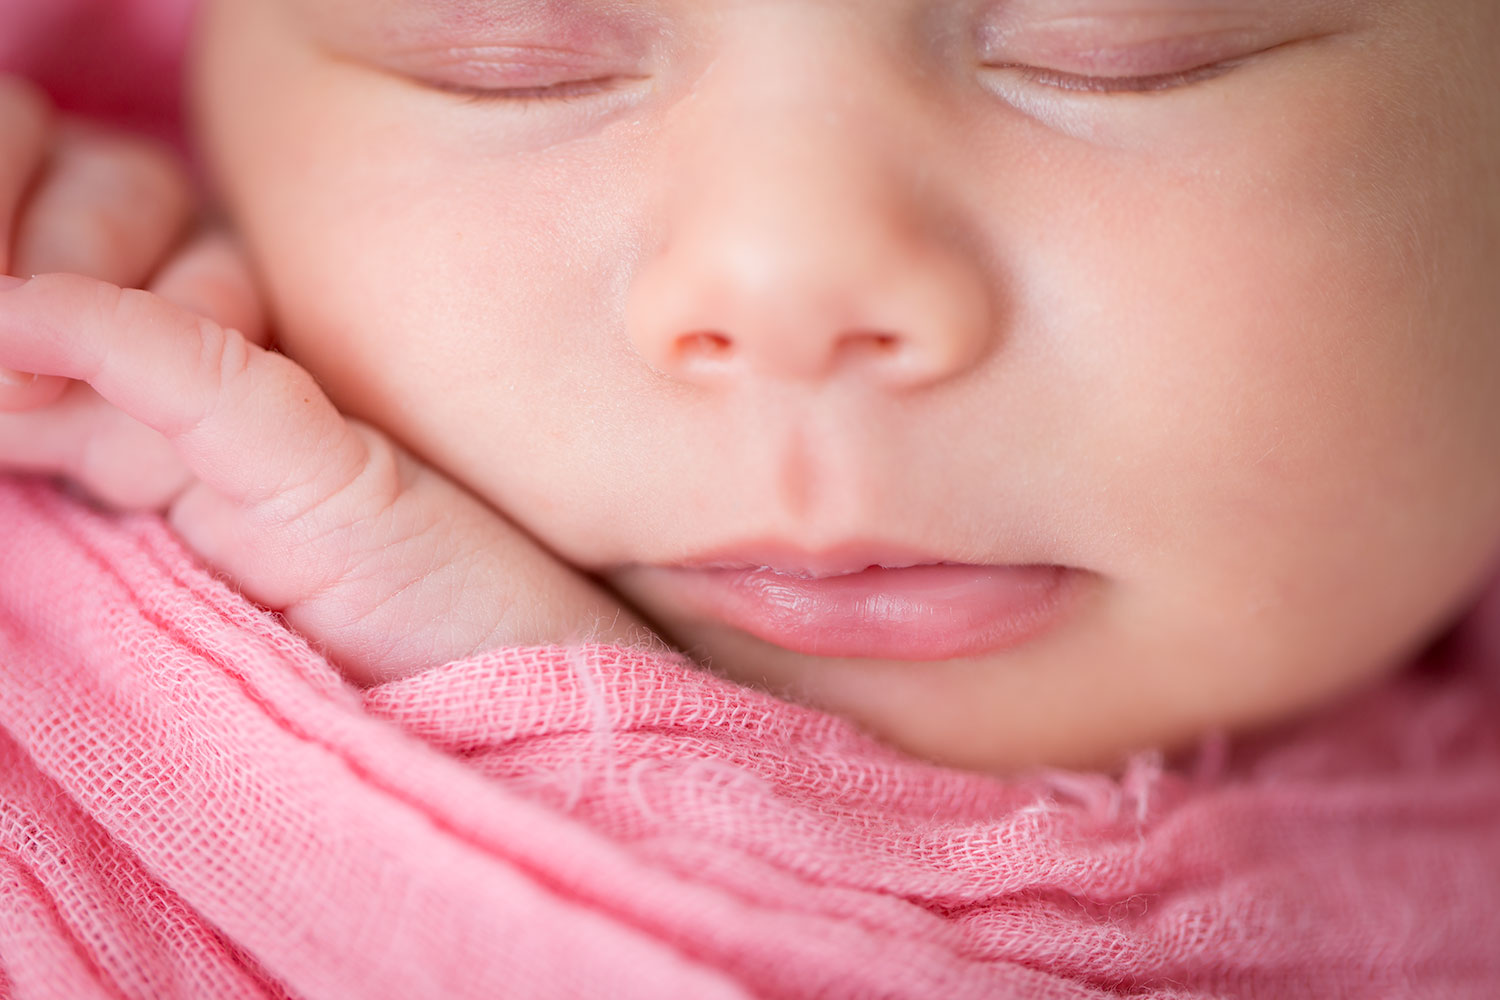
(220, 808)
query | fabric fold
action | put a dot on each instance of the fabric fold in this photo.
(193, 803)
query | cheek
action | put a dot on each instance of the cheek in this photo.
(1292, 371)
(430, 289)
(469, 340)
(474, 290)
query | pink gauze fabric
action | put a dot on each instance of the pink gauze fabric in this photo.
(194, 804)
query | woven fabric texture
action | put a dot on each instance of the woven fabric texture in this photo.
(194, 804)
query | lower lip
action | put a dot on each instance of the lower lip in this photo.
(920, 613)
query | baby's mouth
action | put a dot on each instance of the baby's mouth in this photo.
(887, 608)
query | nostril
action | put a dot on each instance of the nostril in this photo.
(704, 345)
(870, 343)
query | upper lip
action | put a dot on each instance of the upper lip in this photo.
(838, 559)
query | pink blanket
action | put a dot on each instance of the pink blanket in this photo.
(193, 804)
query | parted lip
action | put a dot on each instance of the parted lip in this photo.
(838, 559)
(859, 600)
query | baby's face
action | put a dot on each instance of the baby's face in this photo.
(1194, 299)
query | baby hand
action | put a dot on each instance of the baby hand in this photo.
(78, 198)
(385, 563)
(111, 206)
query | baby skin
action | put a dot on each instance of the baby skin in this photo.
(167, 399)
(1149, 348)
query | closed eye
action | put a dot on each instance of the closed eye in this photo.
(1149, 83)
(561, 92)
(1154, 83)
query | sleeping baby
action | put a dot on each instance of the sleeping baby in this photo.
(1031, 384)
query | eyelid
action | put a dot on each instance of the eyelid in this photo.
(503, 67)
(563, 91)
(1166, 25)
(1133, 47)
(1107, 85)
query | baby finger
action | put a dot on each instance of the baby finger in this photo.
(27, 390)
(250, 423)
(25, 122)
(107, 205)
(212, 278)
(117, 461)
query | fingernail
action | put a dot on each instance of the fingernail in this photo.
(11, 379)
(7, 282)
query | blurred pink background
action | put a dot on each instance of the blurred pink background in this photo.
(117, 60)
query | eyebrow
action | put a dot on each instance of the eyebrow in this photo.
(423, 23)
(481, 11)
(479, 14)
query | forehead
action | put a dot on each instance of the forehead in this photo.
(472, 18)
(436, 20)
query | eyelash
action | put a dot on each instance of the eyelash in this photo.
(575, 90)
(1112, 85)
(558, 93)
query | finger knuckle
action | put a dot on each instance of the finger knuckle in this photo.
(222, 361)
(213, 357)
(126, 308)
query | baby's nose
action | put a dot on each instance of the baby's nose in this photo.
(742, 304)
(806, 264)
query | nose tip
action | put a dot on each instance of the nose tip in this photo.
(921, 324)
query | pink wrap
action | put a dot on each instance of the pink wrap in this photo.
(193, 804)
